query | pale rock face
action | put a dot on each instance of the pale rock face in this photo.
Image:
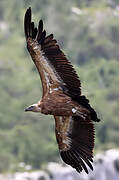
(60, 172)
(37, 175)
(106, 167)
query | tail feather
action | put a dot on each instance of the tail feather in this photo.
(85, 102)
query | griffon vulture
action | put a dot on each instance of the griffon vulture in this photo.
(62, 97)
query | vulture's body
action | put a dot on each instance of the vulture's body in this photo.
(62, 97)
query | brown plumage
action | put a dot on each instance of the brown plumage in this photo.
(62, 97)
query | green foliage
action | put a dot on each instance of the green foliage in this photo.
(91, 39)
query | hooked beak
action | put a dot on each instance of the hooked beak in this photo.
(30, 108)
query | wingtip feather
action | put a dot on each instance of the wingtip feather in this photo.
(77, 162)
(27, 22)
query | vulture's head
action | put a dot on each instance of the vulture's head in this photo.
(34, 108)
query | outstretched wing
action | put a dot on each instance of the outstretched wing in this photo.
(54, 68)
(52, 64)
(75, 139)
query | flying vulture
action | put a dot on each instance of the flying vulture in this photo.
(62, 97)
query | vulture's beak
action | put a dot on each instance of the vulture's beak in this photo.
(30, 108)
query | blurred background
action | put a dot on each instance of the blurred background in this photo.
(88, 33)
